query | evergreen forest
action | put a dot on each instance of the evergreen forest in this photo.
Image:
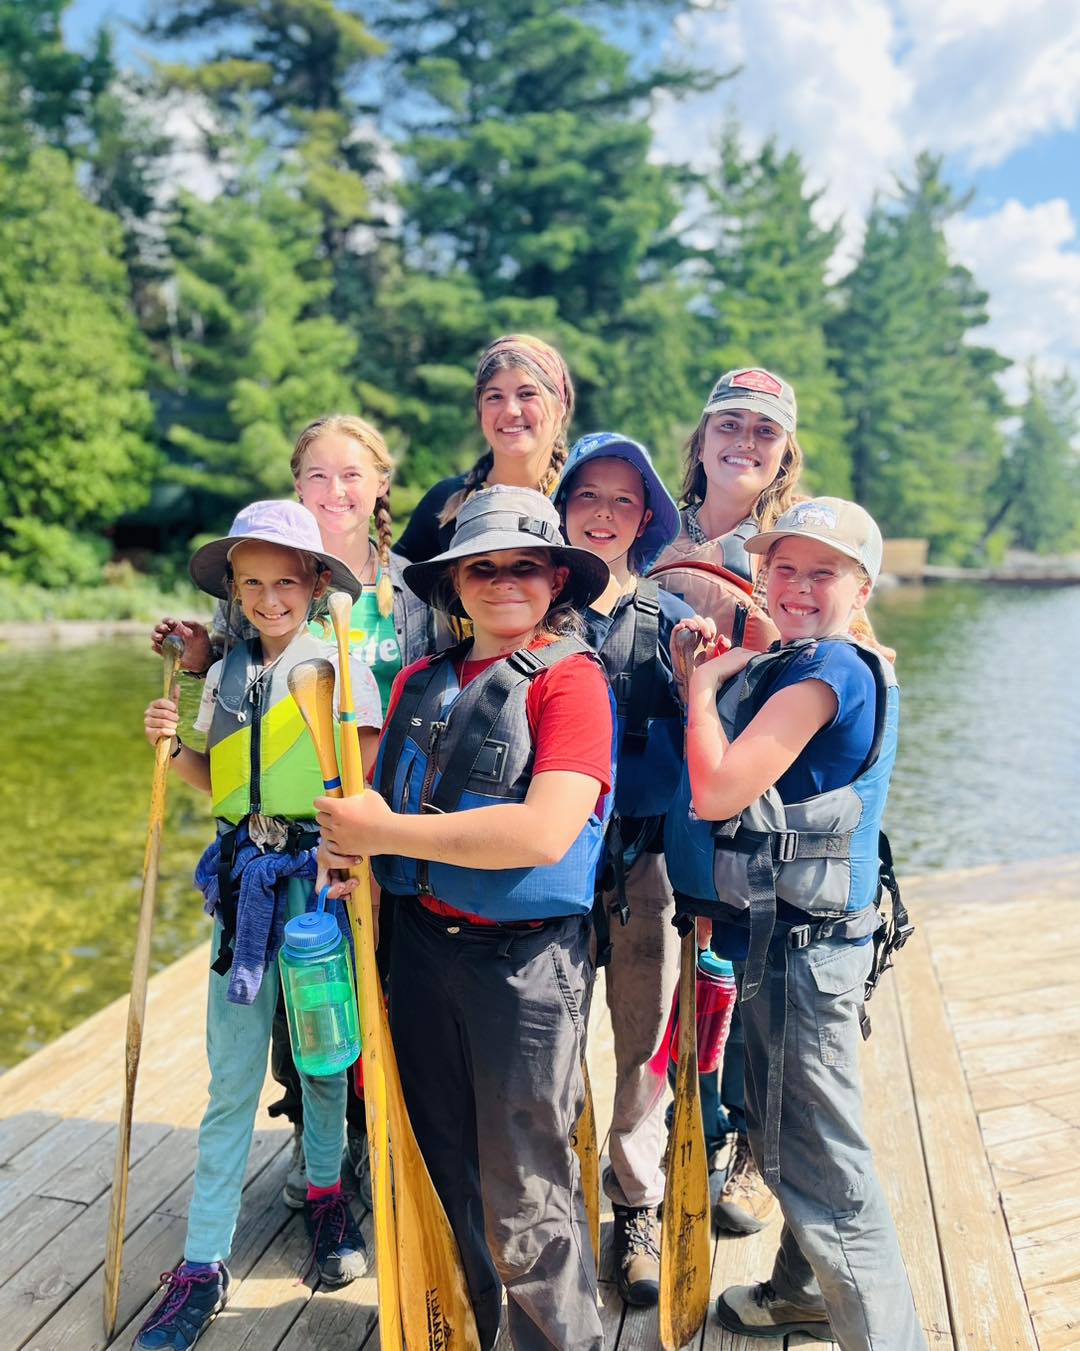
(296, 206)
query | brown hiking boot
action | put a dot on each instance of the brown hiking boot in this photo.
(636, 1247)
(745, 1204)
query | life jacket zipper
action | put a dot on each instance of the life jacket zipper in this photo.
(255, 794)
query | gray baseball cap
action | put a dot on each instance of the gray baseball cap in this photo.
(843, 526)
(757, 391)
(286, 523)
(502, 517)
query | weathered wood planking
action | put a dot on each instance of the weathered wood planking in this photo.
(986, 1301)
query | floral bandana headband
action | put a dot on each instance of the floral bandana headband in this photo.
(525, 350)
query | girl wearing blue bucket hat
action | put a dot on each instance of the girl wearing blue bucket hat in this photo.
(614, 504)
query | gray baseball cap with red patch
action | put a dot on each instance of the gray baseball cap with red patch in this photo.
(756, 391)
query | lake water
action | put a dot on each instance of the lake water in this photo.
(988, 771)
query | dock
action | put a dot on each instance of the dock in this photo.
(972, 1088)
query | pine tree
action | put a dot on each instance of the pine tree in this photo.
(74, 418)
(530, 202)
(922, 399)
(249, 353)
(1042, 473)
(768, 302)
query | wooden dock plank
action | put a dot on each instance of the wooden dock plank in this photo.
(1025, 1084)
(986, 1300)
(892, 1125)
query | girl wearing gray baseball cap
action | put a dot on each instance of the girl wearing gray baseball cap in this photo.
(485, 830)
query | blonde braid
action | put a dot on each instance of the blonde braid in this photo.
(384, 592)
(550, 477)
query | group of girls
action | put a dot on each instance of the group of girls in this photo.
(522, 655)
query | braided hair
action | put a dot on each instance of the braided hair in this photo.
(347, 424)
(546, 366)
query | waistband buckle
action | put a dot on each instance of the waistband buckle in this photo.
(799, 937)
(787, 846)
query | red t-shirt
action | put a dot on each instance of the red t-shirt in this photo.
(569, 717)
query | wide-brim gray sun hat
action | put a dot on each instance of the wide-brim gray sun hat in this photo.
(285, 523)
(664, 525)
(502, 517)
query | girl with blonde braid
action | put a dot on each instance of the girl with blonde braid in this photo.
(524, 400)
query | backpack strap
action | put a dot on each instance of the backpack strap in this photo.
(643, 673)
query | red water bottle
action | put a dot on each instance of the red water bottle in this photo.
(716, 995)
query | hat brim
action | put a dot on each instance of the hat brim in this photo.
(665, 523)
(209, 565)
(752, 403)
(759, 544)
(588, 574)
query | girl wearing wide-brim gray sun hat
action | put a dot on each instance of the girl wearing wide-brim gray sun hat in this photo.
(286, 524)
(500, 518)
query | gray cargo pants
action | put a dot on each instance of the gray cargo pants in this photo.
(640, 985)
(838, 1248)
(489, 1029)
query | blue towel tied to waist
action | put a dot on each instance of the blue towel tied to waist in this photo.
(261, 880)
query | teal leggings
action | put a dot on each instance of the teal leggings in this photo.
(237, 1043)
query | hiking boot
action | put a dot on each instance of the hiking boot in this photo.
(636, 1251)
(358, 1163)
(339, 1249)
(757, 1311)
(745, 1204)
(193, 1301)
(294, 1192)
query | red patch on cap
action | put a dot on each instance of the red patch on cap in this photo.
(762, 381)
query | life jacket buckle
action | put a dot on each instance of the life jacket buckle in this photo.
(787, 846)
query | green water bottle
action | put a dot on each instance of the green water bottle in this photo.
(320, 999)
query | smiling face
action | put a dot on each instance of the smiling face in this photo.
(507, 593)
(338, 482)
(813, 590)
(605, 509)
(275, 587)
(741, 453)
(519, 418)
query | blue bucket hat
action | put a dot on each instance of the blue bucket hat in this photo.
(665, 524)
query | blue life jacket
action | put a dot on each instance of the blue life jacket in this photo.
(449, 749)
(821, 855)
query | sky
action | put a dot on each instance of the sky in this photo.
(858, 88)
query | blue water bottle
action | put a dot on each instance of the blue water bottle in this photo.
(320, 999)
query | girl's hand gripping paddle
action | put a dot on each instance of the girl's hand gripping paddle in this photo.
(172, 649)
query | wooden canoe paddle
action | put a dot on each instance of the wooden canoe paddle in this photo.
(684, 1235)
(585, 1147)
(172, 649)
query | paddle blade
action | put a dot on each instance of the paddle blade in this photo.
(311, 684)
(584, 1143)
(352, 767)
(684, 1236)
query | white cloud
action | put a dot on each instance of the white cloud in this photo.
(821, 78)
(1028, 259)
(988, 81)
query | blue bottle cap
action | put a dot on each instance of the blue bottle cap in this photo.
(312, 934)
(709, 964)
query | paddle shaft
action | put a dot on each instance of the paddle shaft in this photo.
(684, 1236)
(436, 1310)
(171, 650)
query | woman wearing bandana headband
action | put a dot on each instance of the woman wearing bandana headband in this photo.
(524, 400)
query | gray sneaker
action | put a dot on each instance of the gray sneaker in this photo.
(294, 1192)
(757, 1311)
